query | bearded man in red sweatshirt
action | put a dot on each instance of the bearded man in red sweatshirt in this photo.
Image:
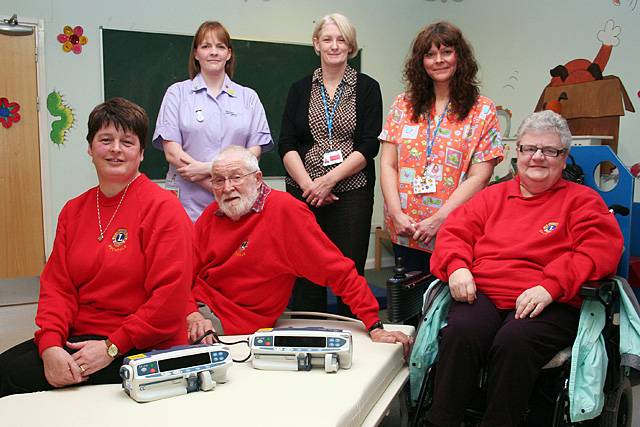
(250, 246)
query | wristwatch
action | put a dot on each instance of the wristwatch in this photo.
(112, 349)
(377, 325)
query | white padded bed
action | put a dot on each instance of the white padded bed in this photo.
(353, 397)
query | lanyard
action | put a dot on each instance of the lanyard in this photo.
(431, 141)
(328, 115)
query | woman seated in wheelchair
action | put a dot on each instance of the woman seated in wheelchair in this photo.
(515, 257)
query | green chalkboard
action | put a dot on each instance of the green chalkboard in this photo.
(141, 66)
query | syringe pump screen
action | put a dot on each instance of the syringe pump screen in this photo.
(300, 341)
(184, 362)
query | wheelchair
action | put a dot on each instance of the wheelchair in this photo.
(549, 405)
(409, 296)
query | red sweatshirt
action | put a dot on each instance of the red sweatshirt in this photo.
(558, 239)
(133, 286)
(245, 270)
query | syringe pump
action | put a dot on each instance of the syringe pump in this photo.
(179, 370)
(299, 349)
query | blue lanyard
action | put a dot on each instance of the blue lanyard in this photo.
(328, 115)
(431, 141)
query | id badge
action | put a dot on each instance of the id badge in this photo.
(424, 184)
(172, 185)
(434, 170)
(332, 158)
(199, 115)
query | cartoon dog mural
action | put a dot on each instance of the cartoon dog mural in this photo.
(591, 103)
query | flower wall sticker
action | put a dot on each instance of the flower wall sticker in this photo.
(9, 113)
(72, 39)
(58, 108)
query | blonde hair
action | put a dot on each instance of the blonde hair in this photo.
(345, 26)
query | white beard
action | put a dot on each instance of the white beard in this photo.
(240, 208)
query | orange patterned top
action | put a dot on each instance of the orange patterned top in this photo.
(457, 145)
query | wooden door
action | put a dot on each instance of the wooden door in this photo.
(21, 229)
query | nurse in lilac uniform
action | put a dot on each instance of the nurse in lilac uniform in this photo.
(200, 117)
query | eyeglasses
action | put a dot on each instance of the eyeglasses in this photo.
(530, 150)
(218, 181)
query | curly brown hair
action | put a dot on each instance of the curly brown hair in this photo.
(464, 86)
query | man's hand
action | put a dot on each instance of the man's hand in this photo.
(197, 325)
(91, 356)
(532, 301)
(462, 286)
(380, 335)
(59, 367)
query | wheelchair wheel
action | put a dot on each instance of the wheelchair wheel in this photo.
(618, 406)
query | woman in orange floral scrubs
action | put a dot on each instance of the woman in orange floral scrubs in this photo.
(440, 142)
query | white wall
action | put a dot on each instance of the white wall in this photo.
(527, 39)
(508, 36)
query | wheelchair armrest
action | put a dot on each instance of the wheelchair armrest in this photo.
(603, 289)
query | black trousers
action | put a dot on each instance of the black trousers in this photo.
(347, 223)
(513, 350)
(22, 369)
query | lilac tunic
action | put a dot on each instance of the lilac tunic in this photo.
(204, 125)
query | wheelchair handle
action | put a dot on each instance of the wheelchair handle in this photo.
(619, 210)
(399, 271)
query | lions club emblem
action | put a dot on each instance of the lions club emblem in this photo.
(119, 237)
(243, 247)
(549, 228)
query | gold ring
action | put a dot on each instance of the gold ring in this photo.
(82, 368)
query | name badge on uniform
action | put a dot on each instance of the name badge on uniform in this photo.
(171, 185)
(410, 132)
(434, 171)
(199, 115)
(424, 184)
(332, 158)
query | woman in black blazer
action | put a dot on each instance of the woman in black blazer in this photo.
(328, 142)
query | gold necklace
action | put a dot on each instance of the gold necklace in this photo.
(101, 236)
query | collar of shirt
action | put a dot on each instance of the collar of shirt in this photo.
(514, 188)
(258, 205)
(350, 76)
(228, 86)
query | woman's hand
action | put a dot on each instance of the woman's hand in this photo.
(403, 224)
(197, 325)
(59, 367)
(532, 301)
(380, 335)
(319, 191)
(462, 286)
(427, 229)
(91, 355)
(194, 171)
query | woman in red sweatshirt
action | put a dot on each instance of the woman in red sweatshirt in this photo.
(515, 257)
(119, 275)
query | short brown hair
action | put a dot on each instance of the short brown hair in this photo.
(464, 87)
(221, 34)
(123, 115)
